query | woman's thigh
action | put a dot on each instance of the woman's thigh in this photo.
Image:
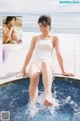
(14, 36)
(34, 70)
(46, 68)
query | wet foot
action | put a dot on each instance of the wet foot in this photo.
(48, 102)
(48, 98)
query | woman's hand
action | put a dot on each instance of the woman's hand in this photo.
(13, 29)
(67, 74)
(22, 73)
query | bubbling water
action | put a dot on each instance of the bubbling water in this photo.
(66, 100)
(39, 110)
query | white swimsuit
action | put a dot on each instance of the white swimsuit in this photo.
(43, 51)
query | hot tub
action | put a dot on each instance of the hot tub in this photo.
(14, 98)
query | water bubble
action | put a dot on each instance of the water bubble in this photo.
(31, 110)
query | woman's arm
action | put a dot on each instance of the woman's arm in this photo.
(28, 57)
(58, 54)
(59, 57)
(7, 32)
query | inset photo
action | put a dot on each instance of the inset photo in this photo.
(12, 29)
(1, 53)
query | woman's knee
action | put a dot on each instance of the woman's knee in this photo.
(14, 36)
(34, 76)
(43, 64)
(34, 79)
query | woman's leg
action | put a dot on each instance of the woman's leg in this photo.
(47, 82)
(15, 37)
(34, 74)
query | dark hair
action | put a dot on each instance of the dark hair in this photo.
(45, 20)
(9, 18)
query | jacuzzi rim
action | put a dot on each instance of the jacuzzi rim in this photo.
(65, 78)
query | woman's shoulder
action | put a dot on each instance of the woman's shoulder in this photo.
(55, 37)
(4, 27)
(36, 38)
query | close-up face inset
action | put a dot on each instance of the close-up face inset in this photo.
(12, 30)
(10, 20)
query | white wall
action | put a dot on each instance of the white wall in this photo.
(69, 45)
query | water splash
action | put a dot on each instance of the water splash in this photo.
(66, 103)
(39, 111)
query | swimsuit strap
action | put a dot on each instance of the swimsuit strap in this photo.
(39, 38)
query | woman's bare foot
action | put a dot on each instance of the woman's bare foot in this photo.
(48, 99)
(48, 102)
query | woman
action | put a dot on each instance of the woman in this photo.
(9, 32)
(42, 45)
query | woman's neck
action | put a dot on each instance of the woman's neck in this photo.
(8, 25)
(46, 34)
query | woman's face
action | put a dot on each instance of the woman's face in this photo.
(12, 22)
(44, 28)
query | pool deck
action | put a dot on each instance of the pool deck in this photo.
(14, 56)
(10, 77)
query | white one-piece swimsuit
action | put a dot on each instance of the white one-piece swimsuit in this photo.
(43, 51)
